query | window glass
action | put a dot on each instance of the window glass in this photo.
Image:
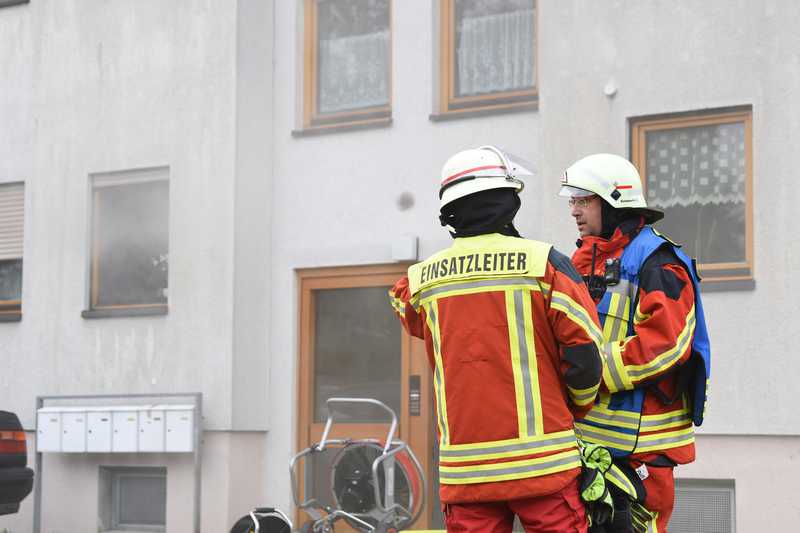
(357, 352)
(353, 47)
(698, 176)
(11, 280)
(494, 46)
(132, 244)
(142, 500)
(132, 498)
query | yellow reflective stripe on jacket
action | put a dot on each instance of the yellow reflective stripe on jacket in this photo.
(640, 317)
(523, 362)
(618, 418)
(614, 375)
(508, 470)
(618, 478)
(583, 397)
(663, 421)
(605, 437)
(431, 310)
(576, 313)
(397, 304)
(666, 440)
(615, 325)
(669, 357)
(551, 442)
(459, 288)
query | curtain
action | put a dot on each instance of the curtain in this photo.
(703, 165)
(354, 72)
(494, 53)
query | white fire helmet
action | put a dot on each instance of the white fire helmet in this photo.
(481, 169)
(611, 177)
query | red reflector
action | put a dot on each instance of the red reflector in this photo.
(12, 442)
(12, 446)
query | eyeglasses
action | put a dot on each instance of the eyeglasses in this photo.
(582, 202)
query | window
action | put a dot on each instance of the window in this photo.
(697, 168)
(488, 55)
(347, 62)
(12, 201)
(133, 498)
(130, 243)
(705, 506)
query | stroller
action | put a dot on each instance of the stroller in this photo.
(377, 486)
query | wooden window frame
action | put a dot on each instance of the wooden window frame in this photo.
(737, 271)
(451, 105)
(97, 184)
(411, 428)
(357, 118)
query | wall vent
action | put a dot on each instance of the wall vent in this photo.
(703, 506)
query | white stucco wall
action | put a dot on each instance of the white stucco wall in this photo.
(121, 86)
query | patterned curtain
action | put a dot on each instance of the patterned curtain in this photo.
(495, 53)
(696, 166)
(354, 72)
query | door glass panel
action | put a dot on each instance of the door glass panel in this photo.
(357, 352)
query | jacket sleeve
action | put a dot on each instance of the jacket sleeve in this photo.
(400, 298)
(663, 326)
(573, 318)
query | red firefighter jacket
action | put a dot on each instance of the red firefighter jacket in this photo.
(663, 316)
(513, 341)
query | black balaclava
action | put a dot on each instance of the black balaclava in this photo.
(612, 218)
(483, 212)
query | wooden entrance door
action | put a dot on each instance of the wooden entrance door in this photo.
(352, 345)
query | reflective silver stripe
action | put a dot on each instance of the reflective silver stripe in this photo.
(619, 479)
(646, 443)
(617, 321)
(616, 417)
(681, 417)
(612, 366)
(523, 363)
(438, 375)
(685, 340)
(507, 448)
(624, 288)
(524, 469)
(498, 282)
(581, 315)
(582, 396)
(585, 433)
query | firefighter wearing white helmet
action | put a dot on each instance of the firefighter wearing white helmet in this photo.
(611, 177)
(503, 354)
(654, 336)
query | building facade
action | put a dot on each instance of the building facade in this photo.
(213, 197)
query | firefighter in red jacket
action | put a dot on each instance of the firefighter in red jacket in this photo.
(512, 338)
(654, 336)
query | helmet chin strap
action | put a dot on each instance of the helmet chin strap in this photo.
(611, 219)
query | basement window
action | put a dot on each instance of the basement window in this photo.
(130, 244)
(133, 499)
